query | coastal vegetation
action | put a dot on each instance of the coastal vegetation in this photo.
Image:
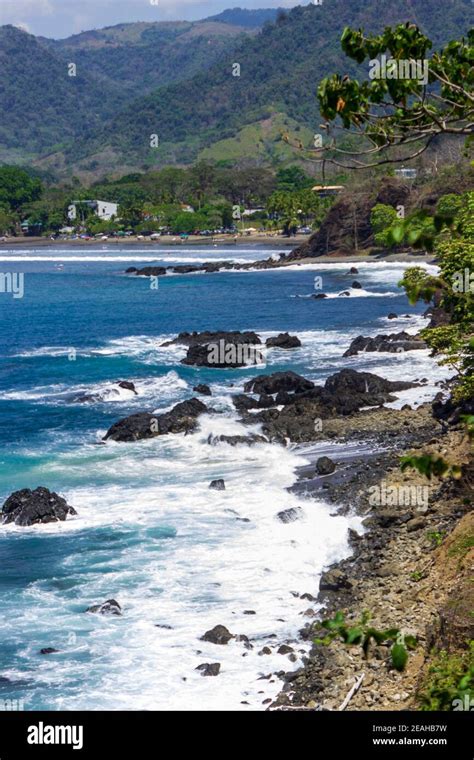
(178, 200)
(361, 633)
(397, 116)
(452, 289)
(449, 683)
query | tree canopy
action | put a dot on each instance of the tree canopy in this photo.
(18, 187)
(411, 98)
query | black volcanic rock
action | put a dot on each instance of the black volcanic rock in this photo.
(244, 403)
(278, 381)
(129, 386)
(334, 580)
(203, 389)
(218, 635)
(290, 515)
(208, 267)
(217, 485)
(223, 356)
(452, 411)
(203, 338)
(28, 507)
(283, 340)
(147, 271)
(393, 343)
(209, 668)
(325, 466)
(344, 393)
(133, 428)
(348, 381)
(265, 401)
(181, 419)
(110, 607)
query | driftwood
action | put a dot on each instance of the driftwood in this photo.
(352, 691)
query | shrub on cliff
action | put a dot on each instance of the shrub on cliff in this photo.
(382, 218)
(452, 240)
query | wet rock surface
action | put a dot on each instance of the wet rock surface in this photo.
(181, 419)
(27, 507)
(393, 343)
(218, 635)
(110, 607)
(283, 340)
(325, 466)
(203, 389)
(204, 338)
(209, 668)
(217, 485)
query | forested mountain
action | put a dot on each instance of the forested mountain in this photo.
(179, 81)
(279, 72)
(43, 107)
(251, 19)
(143, 56)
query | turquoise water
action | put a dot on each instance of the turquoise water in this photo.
(148, 531)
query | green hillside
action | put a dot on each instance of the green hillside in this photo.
(279, 72)
(41, 105)
(43, 108)
(143, 56)
(251, 19)
(176, 80)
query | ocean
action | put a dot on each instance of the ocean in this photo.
(178, 557)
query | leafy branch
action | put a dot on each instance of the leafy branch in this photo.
(362, 634)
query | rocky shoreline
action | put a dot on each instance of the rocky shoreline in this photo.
(298, 257)
(409, 569)
(404, 571)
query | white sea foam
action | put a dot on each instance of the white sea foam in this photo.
(383, 271)
(362, 293)
(210, 569)
(172, 254)
(166, 386)
(148, 348)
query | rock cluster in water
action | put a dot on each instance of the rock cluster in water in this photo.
(27, 507)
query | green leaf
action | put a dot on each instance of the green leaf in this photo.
(354, 635)
(399, 657)
(391, 633)
(411, 641)
(397, 233)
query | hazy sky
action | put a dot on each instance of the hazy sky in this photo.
(60, 18)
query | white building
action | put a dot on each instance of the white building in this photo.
(103, 209)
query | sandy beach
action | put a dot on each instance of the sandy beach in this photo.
(32, 243)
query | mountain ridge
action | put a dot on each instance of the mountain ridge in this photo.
(177, 80)
(279, 72)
